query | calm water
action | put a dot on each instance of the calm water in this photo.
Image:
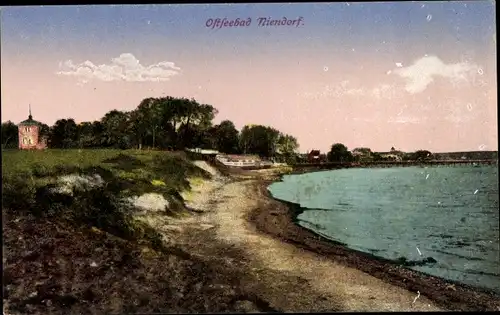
(449, 213)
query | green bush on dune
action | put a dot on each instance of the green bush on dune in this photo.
(30, 181)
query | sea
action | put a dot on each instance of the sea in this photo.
(448, 213)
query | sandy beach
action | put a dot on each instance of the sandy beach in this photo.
(299, 271)
(314, 283)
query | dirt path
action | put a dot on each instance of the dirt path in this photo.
(292, 279)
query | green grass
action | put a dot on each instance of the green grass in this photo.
(172, 169)
(28, 175)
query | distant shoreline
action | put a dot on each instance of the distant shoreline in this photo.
(317, 167)
(279, 219)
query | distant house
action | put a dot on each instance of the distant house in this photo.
(314, 156)
(362, 152)
(197, 153)
(29, 134)
(203, 151)
(392, 156)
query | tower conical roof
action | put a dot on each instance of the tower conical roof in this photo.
(30, 121)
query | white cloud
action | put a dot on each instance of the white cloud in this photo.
(125, 67)
(423, 71)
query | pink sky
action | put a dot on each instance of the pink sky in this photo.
(438, 101)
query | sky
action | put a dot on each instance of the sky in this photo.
(409, 75)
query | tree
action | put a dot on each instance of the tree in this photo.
(339, 153)
(286, 144)
(173, 112)
(286, 147)
(196, 118)
(171, 122)
(97, 134)
(143, 123)
(154, 119)
(44, 131)
(377, 157)
(85, 135)
(226, 137)
(115, 125)
(420, 155)
(63, 134)
(259, 139)
(10, 135)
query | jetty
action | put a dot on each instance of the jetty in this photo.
(337, 165)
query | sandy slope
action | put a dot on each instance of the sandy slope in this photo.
(313, 283)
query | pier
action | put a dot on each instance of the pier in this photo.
(337, 165)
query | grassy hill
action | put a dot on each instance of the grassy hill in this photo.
(82, 251)
(100, 181)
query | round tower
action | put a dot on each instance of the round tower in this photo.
(29, 133)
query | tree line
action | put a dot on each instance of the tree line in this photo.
(167, 123)
(340, 153)
(170, 123)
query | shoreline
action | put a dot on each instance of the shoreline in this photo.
(287, 277)
(279, 219)
(304, 169)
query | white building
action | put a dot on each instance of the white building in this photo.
(239, 160)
